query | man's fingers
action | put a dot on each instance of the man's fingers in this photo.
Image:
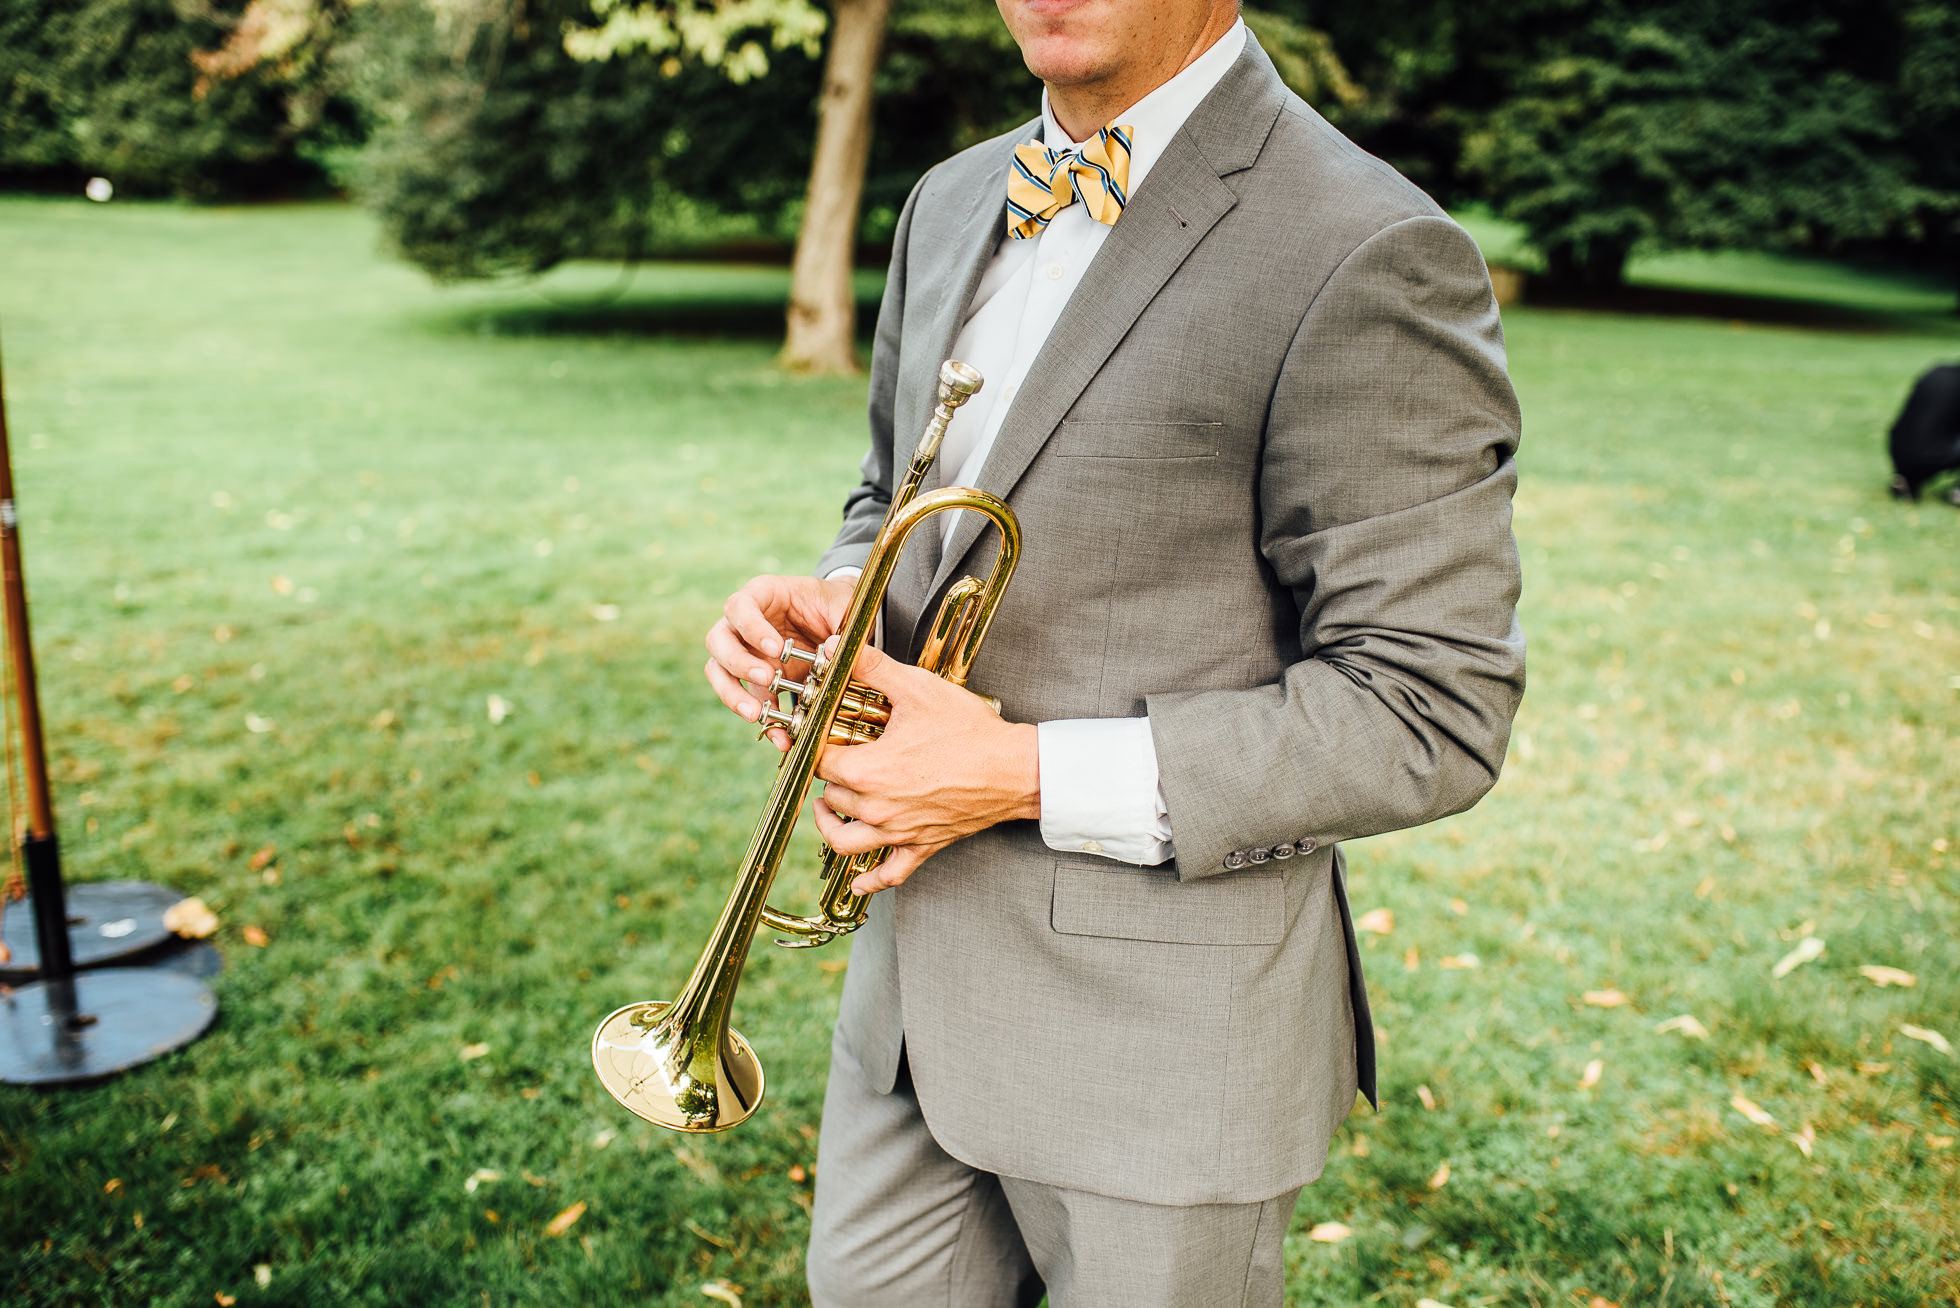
(846, 837)
(901, 864)
(743, 613)
(737, 657)
(739, 701)
(842, 800)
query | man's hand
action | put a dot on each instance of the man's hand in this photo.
(945, 767)
(746, 646)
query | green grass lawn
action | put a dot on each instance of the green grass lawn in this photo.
(268, 476)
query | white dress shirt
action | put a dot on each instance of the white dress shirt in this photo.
(1100, 791)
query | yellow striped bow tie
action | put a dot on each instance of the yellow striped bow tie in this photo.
(1044, 182)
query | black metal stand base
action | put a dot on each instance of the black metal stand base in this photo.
(97, 1023)
(107, 921)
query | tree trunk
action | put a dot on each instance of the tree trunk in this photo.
(822, 308)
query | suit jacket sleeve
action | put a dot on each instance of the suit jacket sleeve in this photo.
(864, 507)
(1385, 510)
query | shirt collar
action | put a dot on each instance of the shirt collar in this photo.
(1157, 117)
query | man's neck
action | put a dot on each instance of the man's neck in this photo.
(1082, 107)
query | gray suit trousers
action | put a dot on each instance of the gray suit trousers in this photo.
(901, 1223)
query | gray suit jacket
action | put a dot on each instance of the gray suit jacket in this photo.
(1264, 473)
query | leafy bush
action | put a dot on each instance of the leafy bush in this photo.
(216, 99)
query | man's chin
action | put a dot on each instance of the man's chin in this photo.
(1062, 61)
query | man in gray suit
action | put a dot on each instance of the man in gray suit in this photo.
(1248, 399)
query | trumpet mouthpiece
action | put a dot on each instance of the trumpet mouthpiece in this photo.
(957, 382)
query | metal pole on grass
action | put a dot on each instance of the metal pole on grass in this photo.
(71, 1026)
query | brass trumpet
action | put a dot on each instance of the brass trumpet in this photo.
(679, 1064)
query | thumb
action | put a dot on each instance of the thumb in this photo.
(881, 671)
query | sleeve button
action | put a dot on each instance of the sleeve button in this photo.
(1307, 844)
(1260, 854)
(1235, 859)
(1283, 851)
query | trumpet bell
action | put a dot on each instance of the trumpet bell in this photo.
(675, 1074)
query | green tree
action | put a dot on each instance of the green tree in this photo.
(1606, 125)
(218, 99)
(1929, 112)
(1692, 125)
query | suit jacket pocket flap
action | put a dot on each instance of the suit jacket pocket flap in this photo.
(1117, 439)
(1148, 903)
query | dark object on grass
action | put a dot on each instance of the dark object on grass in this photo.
(1926, 437)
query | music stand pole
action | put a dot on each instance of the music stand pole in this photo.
(69, 1026)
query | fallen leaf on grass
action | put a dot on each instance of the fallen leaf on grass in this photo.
(1686, 1025)
(1431, 1303)
(1376, 921)
(382, 720)
(1939, 1142)
(797, 1174)
(1360, 1147)
(1600, 1301)
(1809, 949)
(497, 708)
(264, 855)
(1428, 1099)
(481, 1176)
(255, 935)
(224, 1300)
(565, 1220)
(1880, 975)
(1607, 998)
(1330, 1232)
(1440, 1177)
(725, 1292)
(604, 1138)
(1874, 1069)
(190, 919)
(469, 1052)
(1590, 1077)
(1754, 1111)
(1805, 1139)
(1459, 962)
(258, 725)
(1413, 959)
(1926, 1035)
(262, 1275)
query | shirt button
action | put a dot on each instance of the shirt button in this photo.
(1054, 272)
(1235, 859)
(1092, 847)
(1260, 855)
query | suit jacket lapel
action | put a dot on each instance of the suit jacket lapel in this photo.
(975, 241)
(1180, 200)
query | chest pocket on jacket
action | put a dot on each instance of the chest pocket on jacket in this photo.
(1084, 438)
(1132, 903)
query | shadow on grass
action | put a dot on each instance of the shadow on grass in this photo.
(1735, 306)
(652, 319)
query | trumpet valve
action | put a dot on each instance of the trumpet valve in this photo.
(794, 651)
(775, 717)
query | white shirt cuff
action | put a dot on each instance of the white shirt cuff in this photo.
(848, 572)
(1100, 790)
